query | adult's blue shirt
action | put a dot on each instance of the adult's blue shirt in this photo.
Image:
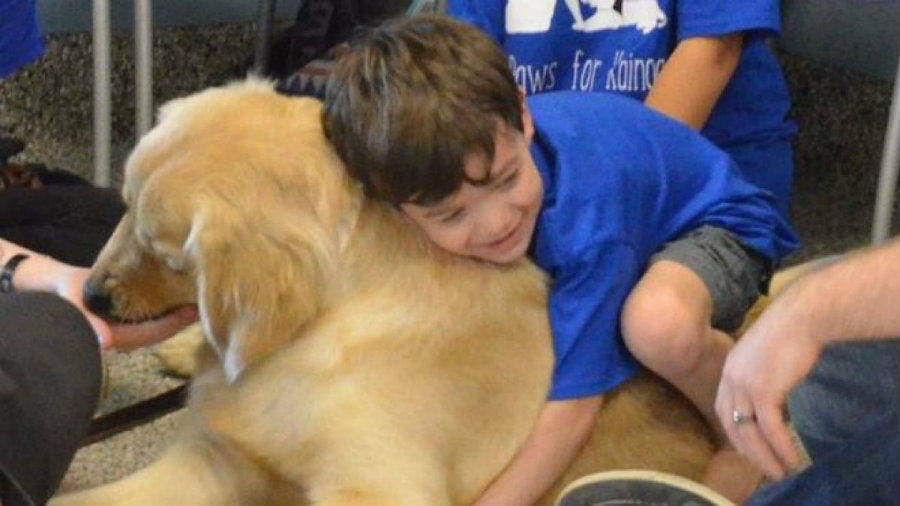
(548, 53)
(20, 37)
(621, 180)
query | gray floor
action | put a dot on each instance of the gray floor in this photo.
(841, 115)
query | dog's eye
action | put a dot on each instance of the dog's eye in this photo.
(168, 256)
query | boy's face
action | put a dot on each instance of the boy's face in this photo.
(495, 221)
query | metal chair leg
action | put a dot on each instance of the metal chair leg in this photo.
(887, 178)
(264, 36)
(143, 67)
(102, 96)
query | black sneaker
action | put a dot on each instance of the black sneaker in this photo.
(638, 488)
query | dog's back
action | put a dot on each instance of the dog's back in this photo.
(417, 384)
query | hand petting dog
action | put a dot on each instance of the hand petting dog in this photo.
(39, 272)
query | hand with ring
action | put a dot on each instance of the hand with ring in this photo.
(767, 362)
(739, 417)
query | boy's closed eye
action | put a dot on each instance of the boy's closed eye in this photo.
(452, 216)
(505, 182)
(508, 180)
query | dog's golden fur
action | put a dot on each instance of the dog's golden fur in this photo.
(350, 362)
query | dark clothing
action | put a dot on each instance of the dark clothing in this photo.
(49, 386)
(69, 222)
(50, 370)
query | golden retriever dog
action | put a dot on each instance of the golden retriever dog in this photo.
(348, 361)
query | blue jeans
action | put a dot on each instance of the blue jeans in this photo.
(848, 414)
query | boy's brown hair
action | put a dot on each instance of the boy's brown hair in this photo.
(411, 100)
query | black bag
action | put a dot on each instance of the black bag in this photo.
(54, 212)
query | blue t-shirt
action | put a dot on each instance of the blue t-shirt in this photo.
(570, 45)
(621, 180)
(20, 37)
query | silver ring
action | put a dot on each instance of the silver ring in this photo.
(738, 418)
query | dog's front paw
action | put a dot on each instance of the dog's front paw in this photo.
(178, 354)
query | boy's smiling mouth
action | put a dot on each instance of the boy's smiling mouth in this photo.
(506, 239)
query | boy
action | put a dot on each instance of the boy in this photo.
(632, 215)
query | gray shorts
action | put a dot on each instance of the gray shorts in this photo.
(734, 275)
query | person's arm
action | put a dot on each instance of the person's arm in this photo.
(693, 77)
(42, 273)
(856, 299)
(38, 272)
(561, 430)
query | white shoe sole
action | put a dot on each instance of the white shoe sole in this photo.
(638, 488)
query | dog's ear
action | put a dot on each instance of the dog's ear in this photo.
(261, 278)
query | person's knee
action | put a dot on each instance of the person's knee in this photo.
(663, 330)
(45, 324)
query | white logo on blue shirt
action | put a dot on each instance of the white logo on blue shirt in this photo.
(535, 16)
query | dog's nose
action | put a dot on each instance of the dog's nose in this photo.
(97, 299)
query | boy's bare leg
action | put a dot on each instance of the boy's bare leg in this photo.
(728, 472)
(666, 324)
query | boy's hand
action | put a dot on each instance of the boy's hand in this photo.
(560, 432)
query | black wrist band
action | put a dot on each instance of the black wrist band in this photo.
(6, 284)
